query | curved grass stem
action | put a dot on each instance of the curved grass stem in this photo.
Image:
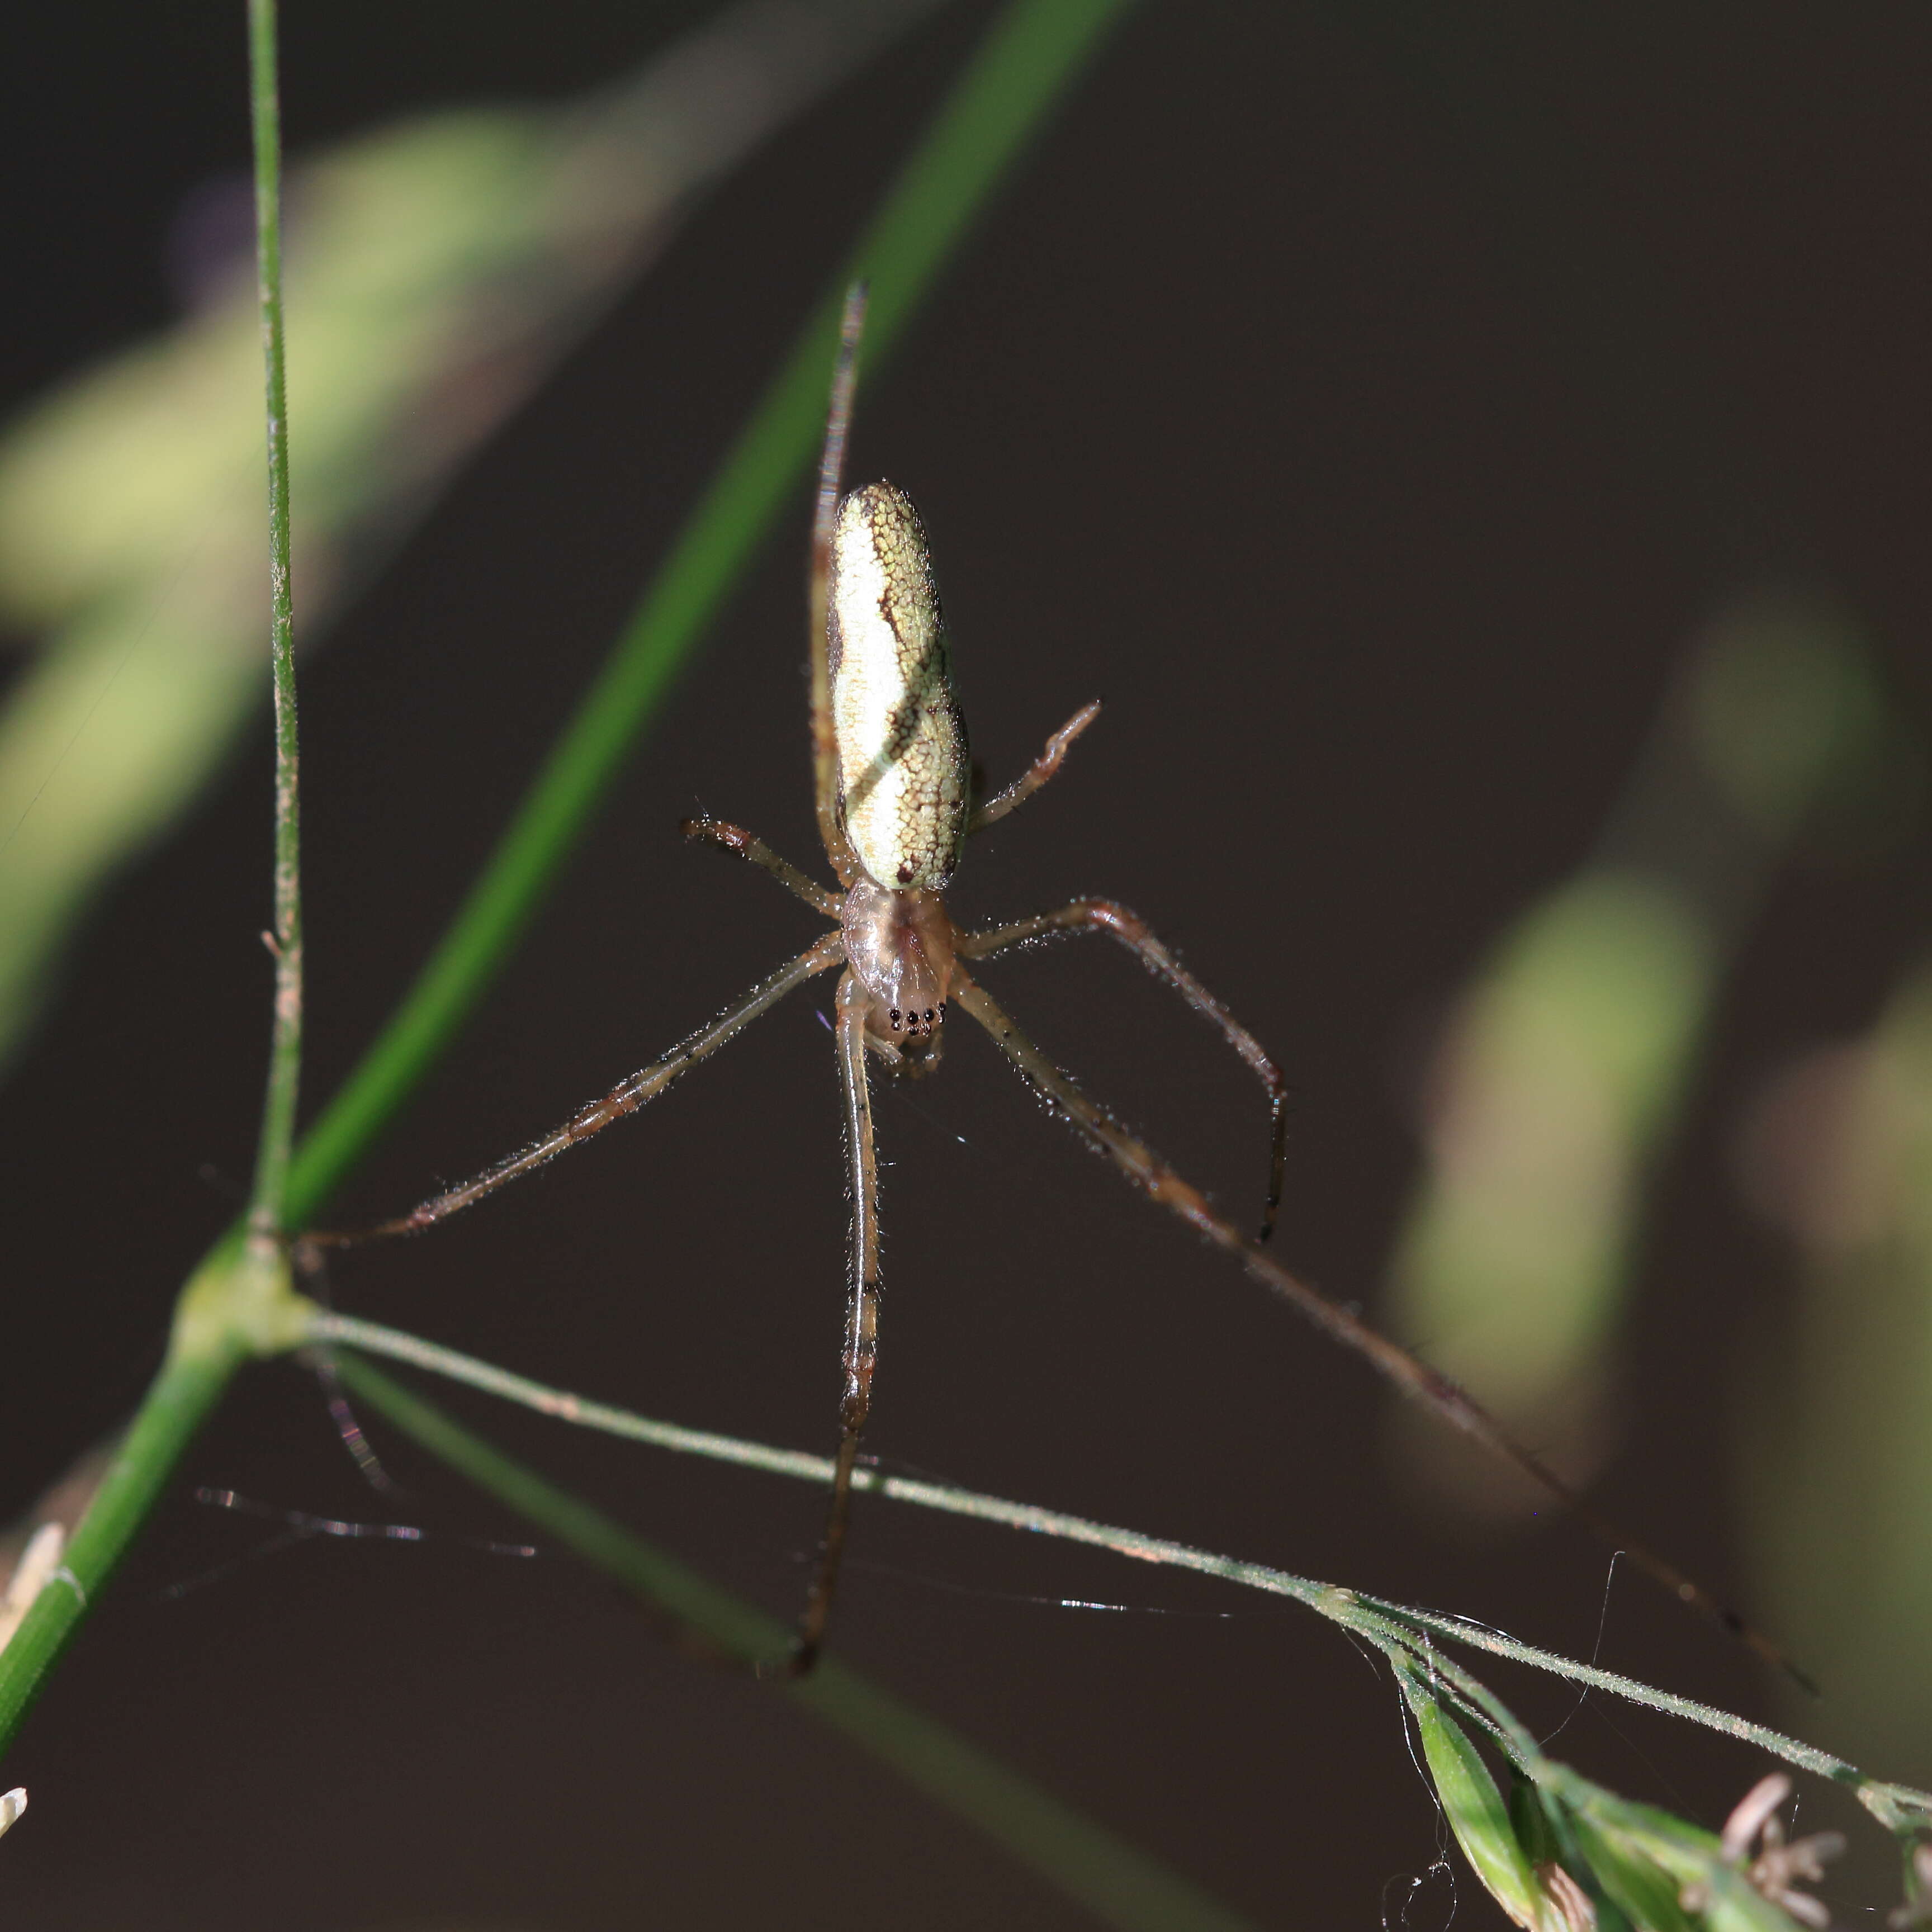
(1395, 1629)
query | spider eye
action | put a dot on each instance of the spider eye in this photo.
(895, 1016)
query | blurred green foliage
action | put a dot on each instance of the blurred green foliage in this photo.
(1571, 1053)
(1841, 1472)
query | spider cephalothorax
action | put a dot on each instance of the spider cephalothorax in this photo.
(899, 946)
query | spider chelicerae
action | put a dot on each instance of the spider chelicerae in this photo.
(893, 791)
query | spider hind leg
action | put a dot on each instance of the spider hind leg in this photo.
(862, 1319)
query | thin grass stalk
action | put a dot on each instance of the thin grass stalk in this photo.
(1392, 1628)
(239, 1281)
(1120, 1884)
(1024, 63)
(1616, 1850)
(273, 1150)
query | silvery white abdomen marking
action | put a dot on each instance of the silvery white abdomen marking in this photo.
(903, 771)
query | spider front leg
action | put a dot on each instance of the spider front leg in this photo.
(626, 1097)
(1036, 774)
(1134, 933)
(705, 829)
(862, 1316)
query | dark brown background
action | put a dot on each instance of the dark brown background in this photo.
(1368, 414)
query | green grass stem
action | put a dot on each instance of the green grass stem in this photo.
(273, 1152)
(1396, 1629)
(239, 1301)
(1638, 1864)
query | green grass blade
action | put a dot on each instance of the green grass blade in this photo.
(1004, 94)
(1472, 1804)
(1119, 1884)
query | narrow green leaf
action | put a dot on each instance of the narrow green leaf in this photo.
(1690, 1857)
(1473, 1805)
(1530, 1822)
(1645, 1893)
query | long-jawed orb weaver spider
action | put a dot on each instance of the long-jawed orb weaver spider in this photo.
(893, 793)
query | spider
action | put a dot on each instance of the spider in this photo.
(893, 787)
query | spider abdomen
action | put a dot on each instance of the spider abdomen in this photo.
(904, 772)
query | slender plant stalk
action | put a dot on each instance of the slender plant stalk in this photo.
(272, 1155)
(1638, 1865)
(1380, 1622)
(238, 1301)
(1120, 1884)
(1003, 96)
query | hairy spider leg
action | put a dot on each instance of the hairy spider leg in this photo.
(626, 1097)
(1154, 1177)
(824, 522)
(862, 1315)
(706, 830)
(1137, 937)
(1036, 775)
(861, 1347)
